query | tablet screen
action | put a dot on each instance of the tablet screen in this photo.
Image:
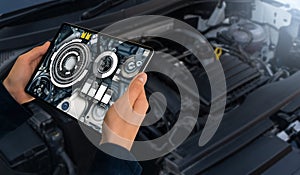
(84, 72)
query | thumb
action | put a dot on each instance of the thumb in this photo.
(126, 107)
(136, 87)
(37, 52)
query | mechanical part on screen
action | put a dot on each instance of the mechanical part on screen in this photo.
(69, 63)
(105, 64)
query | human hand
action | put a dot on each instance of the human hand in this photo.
(123, 119)
(21, 72)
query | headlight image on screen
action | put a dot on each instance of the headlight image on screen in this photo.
(85, 72)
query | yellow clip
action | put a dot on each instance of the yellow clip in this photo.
(86, 35)
(218, 53)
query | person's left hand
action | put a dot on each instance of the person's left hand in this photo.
(21, 72)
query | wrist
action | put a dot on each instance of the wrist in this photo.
(15, 92)
(109, 136)
(8, 87)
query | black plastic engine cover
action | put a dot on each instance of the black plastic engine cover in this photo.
(238, 128)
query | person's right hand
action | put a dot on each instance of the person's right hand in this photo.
(123, 119)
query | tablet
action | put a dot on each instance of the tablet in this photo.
(84, 72)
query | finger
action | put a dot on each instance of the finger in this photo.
(37, 52)
(35, 62)
(141, 104)
(136, 87)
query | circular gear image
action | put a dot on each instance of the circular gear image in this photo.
(105, 64)
(68, 63)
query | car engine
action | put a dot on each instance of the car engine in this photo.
(256, 55)
(258, 44)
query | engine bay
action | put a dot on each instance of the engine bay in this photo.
(258, 44)
(256, 57)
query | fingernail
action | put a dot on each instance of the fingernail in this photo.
(47, 43)
(142, 78)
